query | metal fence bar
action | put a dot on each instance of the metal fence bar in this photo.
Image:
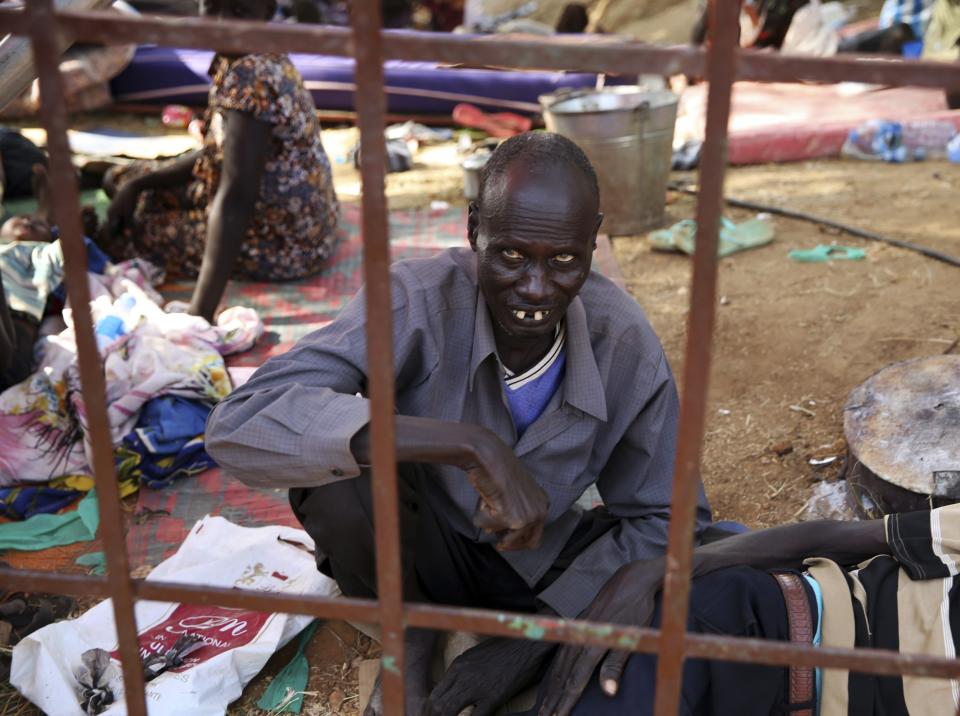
(545, 53)
(721, 69)
(724, 648)
(503, 624)
(66, 208)
(371, 106)
(34, 580)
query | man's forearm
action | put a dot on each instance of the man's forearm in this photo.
(428, 440)
(788, 546)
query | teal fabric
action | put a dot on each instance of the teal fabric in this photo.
(45, 531)
(818, 637)
(97, 561)
(285, 692)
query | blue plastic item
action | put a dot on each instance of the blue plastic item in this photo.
(953, 150)
(912, 50)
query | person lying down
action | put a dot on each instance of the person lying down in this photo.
(887, 584)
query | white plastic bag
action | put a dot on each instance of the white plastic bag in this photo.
(238, 642)
(813, 30)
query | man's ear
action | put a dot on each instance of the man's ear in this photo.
(596, 229)
(473, 224)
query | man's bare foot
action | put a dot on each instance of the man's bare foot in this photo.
(418, 655)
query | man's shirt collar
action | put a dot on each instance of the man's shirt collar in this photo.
(582, 386)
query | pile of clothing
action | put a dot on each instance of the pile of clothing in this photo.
(164, 371)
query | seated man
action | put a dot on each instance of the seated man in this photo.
(522, 378)
(885, 584)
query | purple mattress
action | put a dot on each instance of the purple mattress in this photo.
(162, 75)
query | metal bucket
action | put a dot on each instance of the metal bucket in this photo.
(627, 133)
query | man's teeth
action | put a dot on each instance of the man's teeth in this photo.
(535, 316)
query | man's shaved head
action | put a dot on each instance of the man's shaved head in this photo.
(541, 152)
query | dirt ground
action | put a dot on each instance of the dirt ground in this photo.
(792, 339)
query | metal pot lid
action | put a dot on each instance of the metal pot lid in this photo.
(903, 424)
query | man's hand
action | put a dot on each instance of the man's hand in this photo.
(120, 213)
(512, 505)
(628, 598)
(487, 675)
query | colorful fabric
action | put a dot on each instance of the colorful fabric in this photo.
(147, 352)
(45, 531)
(906, 601)
(295, 220)
(915, 13)
(21, 503)
(33, 272)
(166, 444)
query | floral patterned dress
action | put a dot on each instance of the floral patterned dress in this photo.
(293, 228)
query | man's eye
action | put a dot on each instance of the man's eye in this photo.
(564, 258)
(511, 254)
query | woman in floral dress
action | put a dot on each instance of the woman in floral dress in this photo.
(256, 202)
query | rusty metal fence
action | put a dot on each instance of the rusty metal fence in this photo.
(721, 64)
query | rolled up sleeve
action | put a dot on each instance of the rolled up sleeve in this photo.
(291, 424)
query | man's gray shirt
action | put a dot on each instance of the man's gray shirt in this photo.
(612, 422)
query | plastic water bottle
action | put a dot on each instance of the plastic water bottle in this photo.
(118, 322)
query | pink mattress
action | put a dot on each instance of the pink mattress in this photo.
(793, 122)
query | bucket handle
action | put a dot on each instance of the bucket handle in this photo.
(566, 93)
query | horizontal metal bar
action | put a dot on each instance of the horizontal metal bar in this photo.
(724, 648)
(550, 53)
(241, 36)
(760, 66)
(359, 610)
(500, 624)
(34, 580)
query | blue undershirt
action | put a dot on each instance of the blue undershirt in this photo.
(529, 393)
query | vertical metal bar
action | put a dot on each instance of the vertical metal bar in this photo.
(66, 209)
(371, 107)
(721, 70)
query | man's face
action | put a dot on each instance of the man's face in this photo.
(534, 235)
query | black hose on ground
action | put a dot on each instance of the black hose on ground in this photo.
(684, 188)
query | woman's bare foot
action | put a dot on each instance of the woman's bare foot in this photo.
(418, 655)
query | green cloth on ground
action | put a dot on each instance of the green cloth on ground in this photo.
(285, 692)
(96, 560)
(45, 531)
